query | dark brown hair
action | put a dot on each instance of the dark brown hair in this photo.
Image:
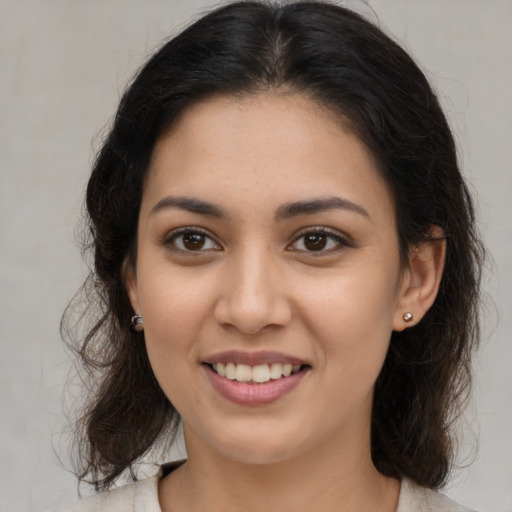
(339, 59)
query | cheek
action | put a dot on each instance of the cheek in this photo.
(173, 301)
(353, 325)
(352, 303)
(174, 309)
(352, 318)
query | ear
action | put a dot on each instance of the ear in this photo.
(130, 283)
(421, 279)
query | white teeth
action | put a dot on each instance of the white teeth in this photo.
(221, 369)
(243, 373)
(231, 371)
(287, 370)
(276, 370)
(260, 374)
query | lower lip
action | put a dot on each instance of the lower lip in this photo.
(244, 393)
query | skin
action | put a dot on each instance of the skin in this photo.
(255, 285)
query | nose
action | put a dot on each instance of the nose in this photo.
(253, 295)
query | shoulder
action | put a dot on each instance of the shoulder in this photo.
(414, 498)
(137, 497)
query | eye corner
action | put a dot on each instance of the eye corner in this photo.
(324, 241)
(191, 240)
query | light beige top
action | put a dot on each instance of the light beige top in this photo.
(142, 496)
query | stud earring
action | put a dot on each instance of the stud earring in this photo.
(407, 317)
(137, 323)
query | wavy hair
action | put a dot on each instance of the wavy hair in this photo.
(337, 58)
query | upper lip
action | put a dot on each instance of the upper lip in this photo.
(253, 358)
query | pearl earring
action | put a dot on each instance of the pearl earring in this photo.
(407, 317)
(137, 323)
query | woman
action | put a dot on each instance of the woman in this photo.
(285, 260)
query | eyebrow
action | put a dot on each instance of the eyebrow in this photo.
(189, 204)
(284, 212)
(289, 210)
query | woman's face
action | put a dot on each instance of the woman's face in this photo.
(266, 244)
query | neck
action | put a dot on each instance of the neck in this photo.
(328, 479)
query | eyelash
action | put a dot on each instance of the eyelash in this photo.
(175, 235)
(332, 235)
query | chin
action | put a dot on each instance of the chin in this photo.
(259, 454)
(258, 446)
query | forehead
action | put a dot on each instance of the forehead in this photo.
(283, 146)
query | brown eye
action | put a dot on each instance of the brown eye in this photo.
(193, 241)
(320, 241)
(315, 241)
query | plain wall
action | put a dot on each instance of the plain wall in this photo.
(63, 65)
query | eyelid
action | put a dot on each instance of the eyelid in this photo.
(342, 239)
(173, 234)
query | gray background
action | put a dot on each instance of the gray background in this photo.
(63, 65)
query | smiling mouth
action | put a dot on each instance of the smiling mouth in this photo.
(257, 374)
